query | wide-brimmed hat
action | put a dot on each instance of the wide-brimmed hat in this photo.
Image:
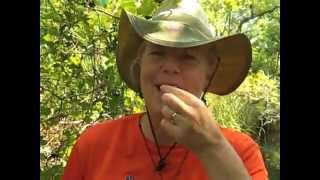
(182, 24)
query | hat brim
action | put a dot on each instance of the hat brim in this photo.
(234, 51)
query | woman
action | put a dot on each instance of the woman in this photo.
(172, 61)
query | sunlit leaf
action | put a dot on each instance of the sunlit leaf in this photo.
(103, 3)
(146, 7)
(128, 5)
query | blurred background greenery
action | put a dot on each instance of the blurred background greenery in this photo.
(80, 85)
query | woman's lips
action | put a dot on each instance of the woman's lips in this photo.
(169, 84)
(158, 87)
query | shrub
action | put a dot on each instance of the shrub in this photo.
(253, 108)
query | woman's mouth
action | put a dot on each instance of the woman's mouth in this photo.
(159, 85)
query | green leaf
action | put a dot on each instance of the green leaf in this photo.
(49, 38)
(128, 5)
(94, 115)
(75, 59)
(146, 8)
(52, 173)
(103, 3)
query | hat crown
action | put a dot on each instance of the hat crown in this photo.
(187, 11)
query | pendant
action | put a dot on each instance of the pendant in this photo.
(161, 164)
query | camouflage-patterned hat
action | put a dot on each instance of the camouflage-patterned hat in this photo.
(182, 24)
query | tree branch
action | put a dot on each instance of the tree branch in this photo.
(56, 116)
(99, 10)
(227, 20)
(253, 16)
(94, 80)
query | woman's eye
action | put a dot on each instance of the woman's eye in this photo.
(188, 58)
(157, 53)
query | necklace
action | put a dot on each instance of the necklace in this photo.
(162, 163)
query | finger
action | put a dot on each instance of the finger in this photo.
(172, 130)
(186, 96)
(178, 106)
(178, 120)
(166, 112)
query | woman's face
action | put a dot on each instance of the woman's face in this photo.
(185, 68)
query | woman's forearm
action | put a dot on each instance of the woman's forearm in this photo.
(223, 163)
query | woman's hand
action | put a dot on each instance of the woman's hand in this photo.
(193, 124)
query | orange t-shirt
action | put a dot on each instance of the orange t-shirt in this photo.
(116, 149)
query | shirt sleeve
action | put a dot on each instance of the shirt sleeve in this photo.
(73, 169)
(253, 160)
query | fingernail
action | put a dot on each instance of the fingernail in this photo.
(163, 121)
(162, 87)
(164, 108)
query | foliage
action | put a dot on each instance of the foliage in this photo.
(259, 20)
(253, 108)
(77, 77)
(80, 85)
(272, 158)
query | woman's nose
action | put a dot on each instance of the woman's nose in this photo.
(171, 65)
